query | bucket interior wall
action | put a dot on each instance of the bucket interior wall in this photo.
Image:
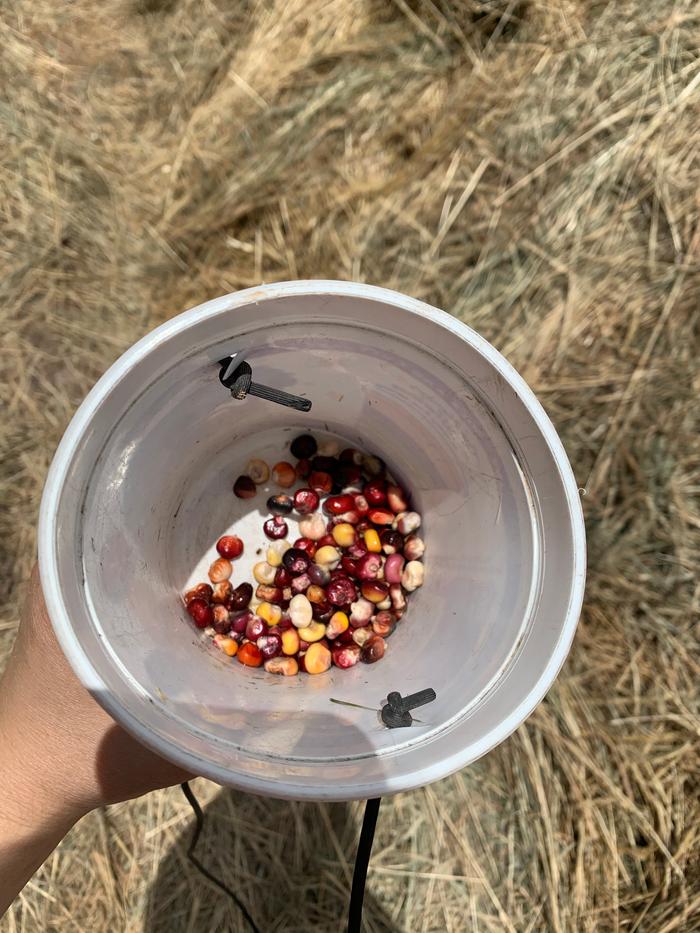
(159, 494)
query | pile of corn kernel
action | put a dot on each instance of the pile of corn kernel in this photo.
(334, 595)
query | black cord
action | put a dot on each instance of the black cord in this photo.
(199, 816)
(364, 850)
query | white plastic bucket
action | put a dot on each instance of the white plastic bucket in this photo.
(140, 490)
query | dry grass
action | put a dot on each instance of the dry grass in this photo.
(535, 171)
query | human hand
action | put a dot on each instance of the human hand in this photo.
(61, 755)
(71, 751)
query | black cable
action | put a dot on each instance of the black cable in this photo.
(199, 816)
(364, 850)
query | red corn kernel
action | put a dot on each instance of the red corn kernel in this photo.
(284, 474)
(244, 487)
(384, 623)
(349, 565)
(361, 612)
(413, 548)
(284, 578)
(322, 611)
(306, 544)
(255, 628)
(341, 592)
(318, 574)
(361, 504)
(306, 501)
(336, 505)
(201, 591)
(351, 518)
(375, 591)
(250, 655)
(369, 566)
(240, 620)
(398, 597)
(280, 505)
(357, 550)
(222, 619)
(346, 656)
(222, 592)
(362, 526)
(392, 541)
(321, 481)
(270, 645)
(270, 594)
(301, 583)
(345, 638)
(396, 498)
(393, 568)
(326, 541)
(240, 597)
(381, 517)
(276, 529)
(375, 492)
(230, 546)
(303, 446)
(201, 612)
(408, 522)
(303, 468)
(373, 649)
(296, 560)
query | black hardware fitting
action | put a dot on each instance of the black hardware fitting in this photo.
(239, 380)
(396, 712)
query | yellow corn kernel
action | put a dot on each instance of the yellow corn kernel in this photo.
(372, 542)
(271, 614)
(313, 632)
(338, 624)
(275, 552)
(343, 534)
(317, 659)
(316, 594)
(327, 556)
(227, 645)
(290, 641)
(264, 573)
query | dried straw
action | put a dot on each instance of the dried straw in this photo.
(533, 168)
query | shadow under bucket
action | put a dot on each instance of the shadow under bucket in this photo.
(140, 489)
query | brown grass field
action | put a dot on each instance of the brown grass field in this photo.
(531, 166)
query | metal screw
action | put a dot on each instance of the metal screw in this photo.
(239, 379)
